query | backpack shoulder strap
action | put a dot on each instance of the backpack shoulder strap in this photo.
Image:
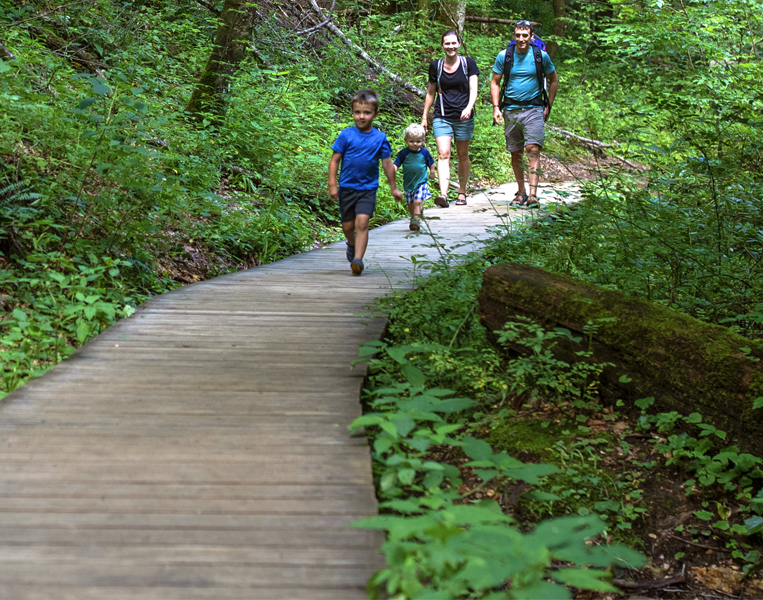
(538, 55)
(464, 67)
(508, 62)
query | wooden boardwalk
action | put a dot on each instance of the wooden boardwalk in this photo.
(199, 449)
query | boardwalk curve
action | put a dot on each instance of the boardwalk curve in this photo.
(199, 449)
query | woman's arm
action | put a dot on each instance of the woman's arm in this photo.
(473, 86)
(428, 101)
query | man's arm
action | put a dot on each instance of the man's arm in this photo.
(336, 158)
(553, 85)
(495, 96)
(428, 101)
(389, 171)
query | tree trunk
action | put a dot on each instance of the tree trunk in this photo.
(560, 25)
(685, 364)
(231, 42)
(422, 6)
(460, 17)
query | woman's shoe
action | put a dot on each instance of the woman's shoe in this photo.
(441, 201)
(532, 202)
(519, 200)
(461, 200)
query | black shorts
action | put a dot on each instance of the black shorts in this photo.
(356, 202)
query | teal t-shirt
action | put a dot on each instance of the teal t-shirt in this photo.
(415, 167)
(523, 82)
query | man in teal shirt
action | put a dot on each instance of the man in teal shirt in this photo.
(525, 109)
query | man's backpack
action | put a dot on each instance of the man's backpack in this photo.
(440, 63)
(508, 62)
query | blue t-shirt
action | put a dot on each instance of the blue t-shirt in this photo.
(523, 81)
(415, 167)
(361, 153)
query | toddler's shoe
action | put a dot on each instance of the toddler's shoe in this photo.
(414, 225)
(357, 266)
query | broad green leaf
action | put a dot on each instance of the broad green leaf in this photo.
(414, 375)
(541, 590)
(86, 103)
(703, 514)
(543, 496)
(758, 402)
(477, 449)
(4, 67)
(406, 476)
(586, 579)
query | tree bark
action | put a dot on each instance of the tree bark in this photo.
(685, 364)
(560, 26)
(231, 42)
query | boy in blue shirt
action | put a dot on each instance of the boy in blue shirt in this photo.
(358, 150)
(417, 164)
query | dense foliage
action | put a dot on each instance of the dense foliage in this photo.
(111, 191)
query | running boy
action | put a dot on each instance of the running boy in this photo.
(415, 160)
(359, 149)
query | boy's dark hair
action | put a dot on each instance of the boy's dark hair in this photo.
(450, 32)
(366, 97)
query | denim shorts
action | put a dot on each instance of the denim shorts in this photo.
(524, 126)
(356, 202)
(455, 128)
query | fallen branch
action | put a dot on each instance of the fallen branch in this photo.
(574, 136)
(648, 585)
(319, 25)
(593, 144)
(364, 55)
(7, 54)
(472, 19)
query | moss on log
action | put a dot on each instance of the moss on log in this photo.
(686, 364)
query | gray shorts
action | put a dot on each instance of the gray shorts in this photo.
(522, 127)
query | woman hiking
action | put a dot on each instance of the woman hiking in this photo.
(452, 88)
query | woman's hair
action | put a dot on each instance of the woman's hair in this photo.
(415, 131)
(366, 97)
(450, 32)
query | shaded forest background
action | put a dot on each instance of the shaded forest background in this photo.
(148, 144)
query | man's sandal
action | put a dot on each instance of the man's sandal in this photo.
(519, 200)
(441, 201)
(461, 201)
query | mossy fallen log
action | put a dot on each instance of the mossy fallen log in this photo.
(685, 364)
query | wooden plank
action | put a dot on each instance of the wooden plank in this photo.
(199, 449)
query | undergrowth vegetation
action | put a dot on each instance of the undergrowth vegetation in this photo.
(458, 425)
(110, 191)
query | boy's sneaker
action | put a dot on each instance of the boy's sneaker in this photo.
(441, 201)
(519, 200)
(350, 253)
(357, 266)
(414, 225)
(532, 202)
